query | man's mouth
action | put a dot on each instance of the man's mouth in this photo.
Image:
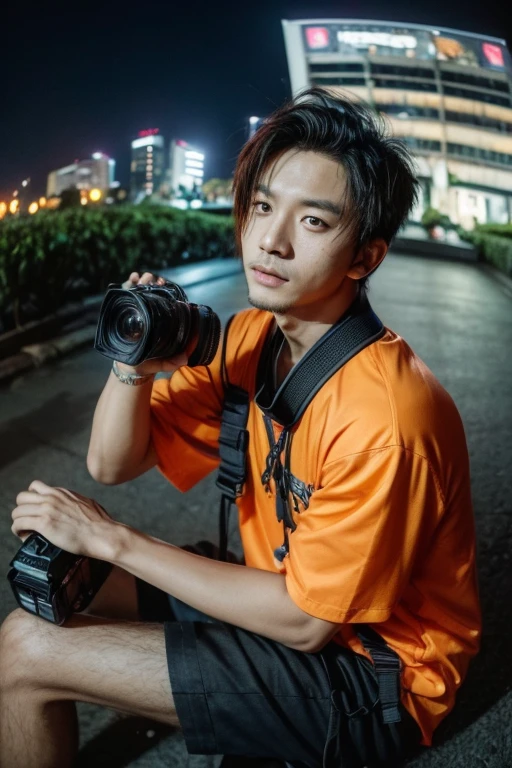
(268, 271)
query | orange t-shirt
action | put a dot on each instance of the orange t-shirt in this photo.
(388, 538)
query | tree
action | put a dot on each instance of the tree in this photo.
(214, 188)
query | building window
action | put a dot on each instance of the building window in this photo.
(392, 69)
(466, 93)
(481, 121)
(410, 85)
(338, 81)
(406, 111)
(476, 153)
(477, 80)
(423, 145)
(344, 66)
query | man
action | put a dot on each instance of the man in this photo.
(382, 532)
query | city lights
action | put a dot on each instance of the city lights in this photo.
(254, 124)
(14, 206)
(194, 155)
(149, 132)
(42, 202)
(95, 195)
(3, 209)
(33, 208)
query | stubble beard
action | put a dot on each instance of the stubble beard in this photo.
(276, 309)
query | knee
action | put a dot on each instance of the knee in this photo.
(23, 641)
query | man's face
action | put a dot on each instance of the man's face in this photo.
(297, 247)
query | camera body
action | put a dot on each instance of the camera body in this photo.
(155, 321)
(52, 583)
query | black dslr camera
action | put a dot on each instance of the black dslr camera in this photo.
(149, 321)
(53, 583)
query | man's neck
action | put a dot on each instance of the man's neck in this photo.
(302, 328)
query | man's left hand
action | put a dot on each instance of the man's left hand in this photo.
(67, 519)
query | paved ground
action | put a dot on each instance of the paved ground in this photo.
(458, 320)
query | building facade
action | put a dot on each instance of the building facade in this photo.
(186, 168)
(445, 93)
(147, 167)
(96, 173)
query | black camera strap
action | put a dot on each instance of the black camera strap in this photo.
(357, 328)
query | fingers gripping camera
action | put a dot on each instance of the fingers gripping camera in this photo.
(155, 321)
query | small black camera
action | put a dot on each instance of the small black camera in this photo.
(52, 583)
(150, 321)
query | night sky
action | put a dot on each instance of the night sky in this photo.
(84, 77)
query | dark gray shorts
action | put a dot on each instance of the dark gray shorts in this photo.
(237, 693)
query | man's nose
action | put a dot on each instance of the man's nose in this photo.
(276, 240)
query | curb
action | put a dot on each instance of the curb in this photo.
(434, 249)
(33, 356)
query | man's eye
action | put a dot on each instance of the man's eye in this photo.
(315, 222)
(261, 206)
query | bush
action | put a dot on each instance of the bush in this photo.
(496, 249)
(503, 230)
(59, 256)
(434, 218)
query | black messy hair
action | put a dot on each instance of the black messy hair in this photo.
(382, 186)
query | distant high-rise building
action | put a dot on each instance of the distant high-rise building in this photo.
(96, 173)
(148, 164)
(186, 167)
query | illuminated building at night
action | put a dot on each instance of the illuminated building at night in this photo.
(446, 93)
(186, 167)
(148, 164)
(96, 173)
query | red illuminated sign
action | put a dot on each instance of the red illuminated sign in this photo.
(493, 54)
(149, 132)
(317, 37)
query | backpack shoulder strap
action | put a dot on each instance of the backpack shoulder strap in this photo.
(233, 444)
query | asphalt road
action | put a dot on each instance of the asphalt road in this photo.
(459, 320)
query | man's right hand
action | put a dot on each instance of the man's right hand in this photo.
(155, 365)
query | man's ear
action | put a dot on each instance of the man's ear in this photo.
(367, 259)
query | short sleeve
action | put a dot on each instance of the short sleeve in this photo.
(186, 411)
(353, 550)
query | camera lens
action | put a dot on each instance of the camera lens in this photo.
(126, 324)
(153, 321)
(130, 324)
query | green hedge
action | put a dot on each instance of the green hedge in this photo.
(58, 256)
(494, 244)
(502, 230)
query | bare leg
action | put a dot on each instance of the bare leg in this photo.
(44, 669)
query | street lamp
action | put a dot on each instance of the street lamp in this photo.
(3, 209)
(33, 208)
(95, 195)
(13, 206)
(253, 124)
